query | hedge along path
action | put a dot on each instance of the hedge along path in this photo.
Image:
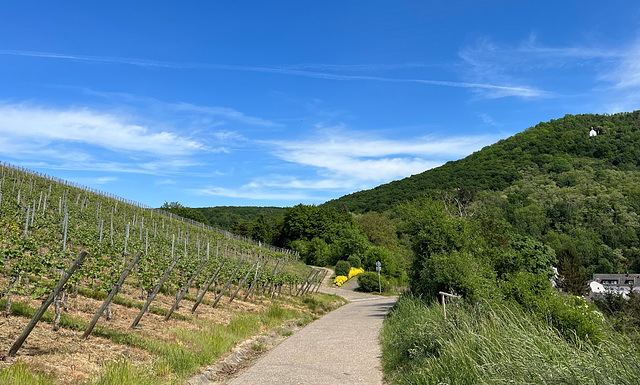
(313, 355)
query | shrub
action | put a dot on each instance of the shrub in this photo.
(355, 261)
(368, 282)
(457, 273)
(574, 317)
(342, 268)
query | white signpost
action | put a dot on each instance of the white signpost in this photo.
(378, 269)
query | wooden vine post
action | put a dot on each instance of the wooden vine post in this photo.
(185, 290)
(311, 282)
(155, 291)
(279, 285)
(219, 296)
(254, 284)
(305, 282)
(56, 290)
(241, 284)
(113, 293)
(213, 277)
(444, 308)
(317, 287)
(273, 273)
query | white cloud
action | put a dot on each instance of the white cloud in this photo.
(224, 112)
(37, 127)
(361, 159)
(162, 182)
(626, 73)
(256, 193)
(95, 181)
(488, 119)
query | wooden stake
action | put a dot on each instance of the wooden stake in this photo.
(36, 317)
(112, 294)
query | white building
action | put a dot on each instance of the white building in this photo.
(620, 284)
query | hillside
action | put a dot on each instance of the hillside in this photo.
(225, 217)
(550, 148)
(141, 284)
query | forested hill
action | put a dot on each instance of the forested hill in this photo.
(552, 148)
(226, 217)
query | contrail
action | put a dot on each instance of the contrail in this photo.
(514, 90)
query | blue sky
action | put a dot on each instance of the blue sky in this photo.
(275, 103)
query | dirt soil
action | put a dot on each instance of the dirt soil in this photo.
(70, 359)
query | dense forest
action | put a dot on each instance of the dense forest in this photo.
(238, 218)
(552, 148)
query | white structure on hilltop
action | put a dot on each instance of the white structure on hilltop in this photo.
(593, 132)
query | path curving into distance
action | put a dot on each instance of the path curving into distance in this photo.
(340, 348)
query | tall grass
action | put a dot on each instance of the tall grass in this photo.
(497, 344)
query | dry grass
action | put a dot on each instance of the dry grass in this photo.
(71, 360)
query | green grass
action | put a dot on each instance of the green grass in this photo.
(128, 303)
(18, 374)
(21, 309)
(123, 373)
(496, 344)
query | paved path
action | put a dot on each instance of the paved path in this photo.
(340, 348)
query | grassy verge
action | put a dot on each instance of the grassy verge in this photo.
(496, 344)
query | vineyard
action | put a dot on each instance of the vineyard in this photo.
(121, 272)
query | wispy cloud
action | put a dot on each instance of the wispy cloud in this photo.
(85, 139)
(359, 67)
(342, 161)
(358, 156)
(96, 59)
(488, 119)
(626, 71)
(203, 115)
(492, 62)
(494, 90)
(257, 194)
(96, 181)
(224, 112)
(608, 73)
(36, 126)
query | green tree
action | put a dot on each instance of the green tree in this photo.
(571, 273)
(525, 254)
(185, 212)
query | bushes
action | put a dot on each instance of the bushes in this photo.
(342, 268)
(571, 316)
(368, 282)
(354, 261)
(456, 272)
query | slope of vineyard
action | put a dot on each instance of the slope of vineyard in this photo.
(183, 266)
